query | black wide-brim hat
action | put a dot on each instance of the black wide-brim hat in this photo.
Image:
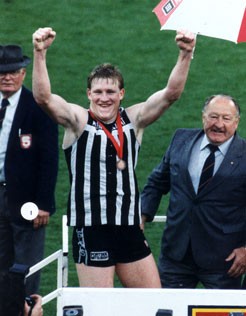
(12, 59)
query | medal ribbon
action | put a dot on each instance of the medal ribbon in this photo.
(118, 147)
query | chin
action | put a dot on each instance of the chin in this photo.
(217, 141)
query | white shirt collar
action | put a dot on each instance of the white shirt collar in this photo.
(14, 99)
(223, 147)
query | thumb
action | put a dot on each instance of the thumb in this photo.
(230, 257)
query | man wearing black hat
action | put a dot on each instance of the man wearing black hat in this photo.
(28, 166)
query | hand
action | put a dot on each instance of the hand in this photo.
(239, 262)
(37, 309)
(43, 38)
(42, 219)
(143, 221)
(186, 40)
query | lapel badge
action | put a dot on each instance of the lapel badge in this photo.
(26, 141)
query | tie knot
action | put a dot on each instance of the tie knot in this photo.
(212, 148)
(5, 102)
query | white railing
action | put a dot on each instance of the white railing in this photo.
(134, 302)
(58, 255)
(62, 264)
(158, 219)
(62, 261)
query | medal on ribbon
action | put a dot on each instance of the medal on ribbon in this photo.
(121, 164)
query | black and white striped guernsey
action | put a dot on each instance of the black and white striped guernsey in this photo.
(101, 194)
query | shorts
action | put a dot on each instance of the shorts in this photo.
(105, 246)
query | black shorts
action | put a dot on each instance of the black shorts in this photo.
(105, 246)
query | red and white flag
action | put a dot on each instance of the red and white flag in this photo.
(165, 9)
(224, 19)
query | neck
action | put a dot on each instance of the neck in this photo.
(6, 95)
(110, 121)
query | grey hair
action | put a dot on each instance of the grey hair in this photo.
(209, 99)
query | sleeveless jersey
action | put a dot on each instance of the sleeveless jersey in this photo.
(100, 194)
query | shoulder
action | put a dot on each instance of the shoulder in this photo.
(82, 120)
(239, 144)
(124, 116)
(27, 93)
(239, 139)
(186, 133)
(34, 112)
(184, 136)
(27, 100)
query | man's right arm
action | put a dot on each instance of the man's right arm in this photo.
(62, 112)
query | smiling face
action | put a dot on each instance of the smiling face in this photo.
(220, 119)
(105, 97)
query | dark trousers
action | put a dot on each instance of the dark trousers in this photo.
(20, 243)
(187, 274)
(244, 282)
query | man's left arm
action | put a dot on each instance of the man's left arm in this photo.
(145, 113)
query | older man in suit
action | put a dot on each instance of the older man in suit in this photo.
(205, 235)
(28, 166)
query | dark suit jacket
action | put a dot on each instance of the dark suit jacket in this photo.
(215, 219)
(31, 161)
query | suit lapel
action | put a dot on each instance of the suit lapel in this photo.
(19, 116)
(228, 165)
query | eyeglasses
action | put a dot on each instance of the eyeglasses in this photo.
(12, 74)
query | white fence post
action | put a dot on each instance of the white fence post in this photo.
(65, 251)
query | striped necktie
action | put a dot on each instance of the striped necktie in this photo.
(208, 167)
(4, 104)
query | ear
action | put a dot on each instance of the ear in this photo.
(203, 117)
(24, 73)
(88, 91)
(122, 94)
(237, 121)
